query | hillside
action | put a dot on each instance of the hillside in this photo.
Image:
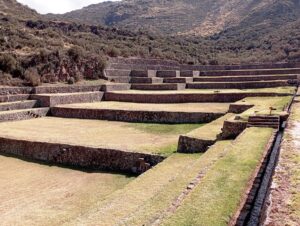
(57, 50)
(188, 17)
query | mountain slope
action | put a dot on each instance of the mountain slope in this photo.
(188, 17)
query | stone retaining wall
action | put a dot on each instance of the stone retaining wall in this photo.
(193, 145)
(240, 67)
(53, 100)
(170, 86)
(19, 105)
(232, 129)
(78, 156)
(246, 78)
(23, 114)
(285, 71)
(13, 98)
(135, 116)
(184, 97)
(66, 89)
(239, 108)
(237, 85)
(15, 90)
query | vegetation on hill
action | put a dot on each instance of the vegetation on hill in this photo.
(59, 50)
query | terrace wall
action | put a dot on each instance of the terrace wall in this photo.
(135, 116)
(78, 156)
(23, 115)
(184, 97)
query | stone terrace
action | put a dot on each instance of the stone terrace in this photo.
(136, 122)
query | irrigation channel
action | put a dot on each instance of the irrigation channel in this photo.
(258, 207)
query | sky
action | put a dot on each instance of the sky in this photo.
(57, 6)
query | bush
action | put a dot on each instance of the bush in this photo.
(113, 52)
(32, 77)
(8, 63)
(71, 81)
(76, 53)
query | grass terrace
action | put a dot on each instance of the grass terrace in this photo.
(136, 137)
(262, 105)
(216, 199)
(46, 195)
(182, 107)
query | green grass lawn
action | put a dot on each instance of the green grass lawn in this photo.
(165, 128)
(218, 195)
(263, 104)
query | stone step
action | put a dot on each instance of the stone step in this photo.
(237, 85)
(118, 79)
(24, 114)
(117, 73)
(18, 105)
(149, 80)
(165, 86)
(14, 98)
(168, 74)
(143, 73)
(251, 72)
(178, 80)
(264, 126)
(138, 96)
(244, 78)
(50, 100)
(189, 73)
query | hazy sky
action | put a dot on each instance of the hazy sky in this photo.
(57, 6)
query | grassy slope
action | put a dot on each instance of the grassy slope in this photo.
(217, 197)
(211, 130)
(36, 194)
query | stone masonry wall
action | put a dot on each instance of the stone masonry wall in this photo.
(135, 116)
(184, 97)
(23, 115)
(50, 101)
(78, 156)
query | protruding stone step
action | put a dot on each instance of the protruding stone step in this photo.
(168, 74)
(117, 73)
(244, 78)
(17, 115)
(118, 79)
(143, 73)
(178, 80)
(237, 85)
(170, 86)
(146, 80)
(50, 100)
(189, 73)
(17, 105)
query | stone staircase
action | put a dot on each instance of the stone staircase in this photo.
(264, 121)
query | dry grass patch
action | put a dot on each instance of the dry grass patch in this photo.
(34, 194)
